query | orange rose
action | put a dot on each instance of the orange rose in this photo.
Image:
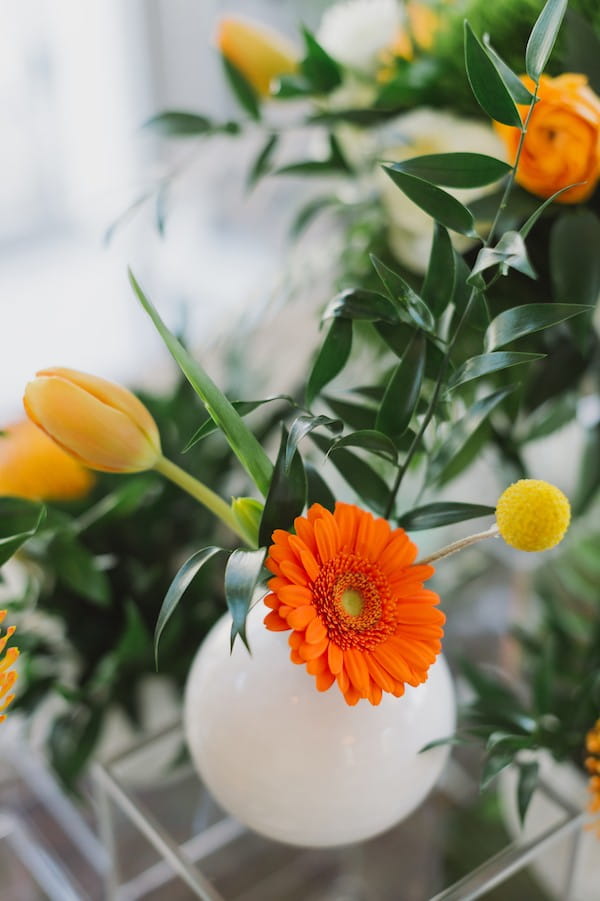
(562, 145)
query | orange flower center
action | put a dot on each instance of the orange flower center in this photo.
(353, 599)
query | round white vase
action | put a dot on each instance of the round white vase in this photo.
(552, 867)
(301, 766)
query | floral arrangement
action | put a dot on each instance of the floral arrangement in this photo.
(346, 581)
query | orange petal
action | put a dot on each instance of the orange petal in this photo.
(375, 694)
(327, 538)
(316, 666)
(325, 680)
(295, 656)
(378, 674)
(296, 639)
(343, 681)
(352, 696)
(294, 573)
(335, 657)
(300, 617)
(399, 553)
(316, 631)
(395, 665)
(356, 667)
(311, 651)
(295, 595)
(275, 623)
(305, 533)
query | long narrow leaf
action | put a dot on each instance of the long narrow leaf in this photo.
(440, 205)
(487, 84)
(287, 493)
(485, 364)
(442, 513)
(532, 317)
(543, 36)
(455, 170)
(180, 583)
(240, 438)
(241, 577)
(402, 393)
(331, 358)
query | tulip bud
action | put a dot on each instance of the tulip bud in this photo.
(101, 424)
(258, 53)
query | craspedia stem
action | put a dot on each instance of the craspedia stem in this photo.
(461, 544)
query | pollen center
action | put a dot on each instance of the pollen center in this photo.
(353, 602)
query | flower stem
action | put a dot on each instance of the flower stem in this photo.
(202, 493)
(459, 545)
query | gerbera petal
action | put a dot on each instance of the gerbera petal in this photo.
(347, 523)
(398, 553)
(395, 665)
(316, 631)
(325, 680)
(294, 572)
(296, 639)
(300, 617)
(335, 657)
(275, 623)
(375, 694)
(356, 668)
(295, 656)
(352, 696)
(317, 665)
(305, 532)
(418, 613)
(327, 538)
(295, 595)
(378, 673)
(311, 651)
(343, 681)
(309, 562)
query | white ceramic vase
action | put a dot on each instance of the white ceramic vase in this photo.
(300, 766)
(552, 867)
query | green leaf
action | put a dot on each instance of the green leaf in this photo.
(438, 288)
(242, 90)
(549, 417)
(528, 225)
(485, 364)
(575, 264)
(241, 440)
(242, 573)
(532, 317)
(262, 163)
(331, 358)
(455, 170)
(242, 408)
(287, 494)
(19, 520)
(447, 462)
(179, 124)
(303, 425)
(528, 782)
(494, 764)
(518, 91)
(543, 36)
(248, 512)
(509, 253)
(356, 303)
(318, 489)
(370, 440)
(335, 163)
(367, 483)
(400, 292)
(307, 213)
(290, 87)
(179, 585)
(488, 86)
(442, 513)
(438, 204)
(319, 69)
(403, 390)
(78, 568)
(397, 337)
(356, 416)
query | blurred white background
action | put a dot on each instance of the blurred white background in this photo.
(77, 81)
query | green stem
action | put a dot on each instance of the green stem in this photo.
(439, 381)
(202, 493)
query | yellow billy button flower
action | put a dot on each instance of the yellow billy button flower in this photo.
(533, 515)
(8, 676)
(101, 424)
(257, 52)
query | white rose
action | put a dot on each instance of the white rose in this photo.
(355, 32)
(420, 132)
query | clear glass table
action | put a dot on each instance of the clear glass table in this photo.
(163, 832)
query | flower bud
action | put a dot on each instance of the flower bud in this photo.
(34, 467)
(258, 53)
(101, 424)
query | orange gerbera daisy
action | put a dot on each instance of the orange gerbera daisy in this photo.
(7, 679)
(592, 764)
(347, 587)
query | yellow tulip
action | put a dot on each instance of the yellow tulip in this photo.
(101, 424)
(257, 52)
(34, 467)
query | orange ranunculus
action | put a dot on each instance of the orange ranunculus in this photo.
(259, 53)
(8, 676)
(347, 586)
(101, 424)
(562, 145)
(34, 467)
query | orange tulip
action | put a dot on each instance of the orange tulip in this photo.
(259, 53)
(34, 467)
(99, 423)
(562, 146)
